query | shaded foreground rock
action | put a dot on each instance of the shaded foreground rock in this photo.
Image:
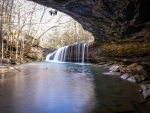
(146, 90)
(125, 76)
(132, 79)
(134, 72)
(114, 68)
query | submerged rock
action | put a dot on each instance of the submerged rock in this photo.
(125, 108)
(112, 73)
(5, 68)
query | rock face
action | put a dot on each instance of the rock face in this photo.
(107, 19)
(120, 28)
(35, 53)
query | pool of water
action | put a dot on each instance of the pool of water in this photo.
(45, 87)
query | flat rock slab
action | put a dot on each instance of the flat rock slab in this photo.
(114, 68)
(145, 86)
(132, 79)
(125, 76)
(4, 67)
(112, 73)
(101, 63)
(146, 90)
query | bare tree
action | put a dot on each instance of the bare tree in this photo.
(26, 28)
(1, 27)
(5, 23)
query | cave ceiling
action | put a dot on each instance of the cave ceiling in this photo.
(107, 19)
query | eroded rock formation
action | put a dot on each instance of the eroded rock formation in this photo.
(121, 27)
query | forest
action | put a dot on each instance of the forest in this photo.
(30, 31)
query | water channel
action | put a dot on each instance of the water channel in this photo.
(47, 87)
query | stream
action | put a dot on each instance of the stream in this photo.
(47, 87)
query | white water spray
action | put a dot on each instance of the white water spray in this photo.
(73, 53)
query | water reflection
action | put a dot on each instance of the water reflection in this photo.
(64, 88)
(48, 88)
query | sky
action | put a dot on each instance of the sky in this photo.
(31, 13)
(28, 6)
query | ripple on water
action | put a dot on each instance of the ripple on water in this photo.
(47, 87)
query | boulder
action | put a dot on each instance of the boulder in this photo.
(146, 90)
(5, 61)
(114, 68)
(139, 78)
(145, 86)
(35, 53)
(132, 79)
(122, 68)
(125, 76)
(131, 67)
(136, 69)
(136, 78)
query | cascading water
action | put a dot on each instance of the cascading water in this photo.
(73, 53)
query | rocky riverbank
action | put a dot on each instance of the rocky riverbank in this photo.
(133, 72)
(35, 54)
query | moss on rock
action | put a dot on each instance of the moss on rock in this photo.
(127, 49)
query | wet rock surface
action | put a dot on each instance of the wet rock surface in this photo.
(145, 90)
(134, 73)
(125, 76)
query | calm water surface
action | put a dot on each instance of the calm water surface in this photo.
(46, 87)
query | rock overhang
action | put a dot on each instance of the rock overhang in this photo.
(107, 19)
(120, 24)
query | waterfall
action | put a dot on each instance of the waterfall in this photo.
(73, 53)
(83, 50)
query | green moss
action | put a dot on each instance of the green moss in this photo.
(32, 57)
(125, 49)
